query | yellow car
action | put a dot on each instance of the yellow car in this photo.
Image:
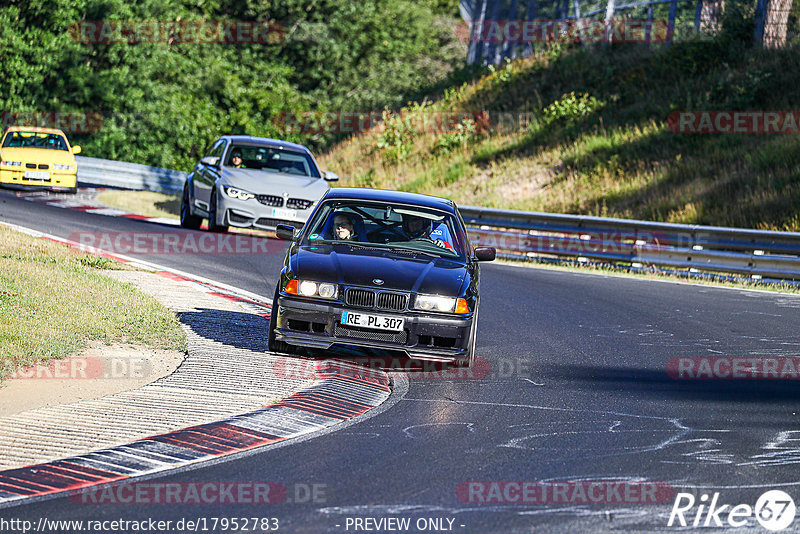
(38, 157)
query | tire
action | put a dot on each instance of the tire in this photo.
(188, 220)
(212, 216)
(474, 336)
(72, 190)
(275, 345)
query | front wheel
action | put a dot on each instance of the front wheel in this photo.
(212, 216)
(473, 337)
(273, 344)
(188, 220)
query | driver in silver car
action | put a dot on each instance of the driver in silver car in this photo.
(236, 160)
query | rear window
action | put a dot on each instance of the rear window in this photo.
(35, 140)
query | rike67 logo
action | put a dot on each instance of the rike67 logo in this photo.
(774, 510)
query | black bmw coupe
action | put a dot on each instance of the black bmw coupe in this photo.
(380, 269)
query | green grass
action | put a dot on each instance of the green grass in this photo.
(595, 140)
(147, 203)
(55, 299)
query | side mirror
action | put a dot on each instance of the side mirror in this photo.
(211, 161)
(330, 176)
(485, 253)
(285, 232)
(76, 149)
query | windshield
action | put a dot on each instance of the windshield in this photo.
(400, 228)
(35, 140)
(271, 159)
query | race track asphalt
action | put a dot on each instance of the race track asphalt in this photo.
(577, 387)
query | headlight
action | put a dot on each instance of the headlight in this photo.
(434, 303)
(11, 163)
(60, 167)
(238, 193)
(440, 304)
(307, 288)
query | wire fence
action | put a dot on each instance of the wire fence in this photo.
(507, 29)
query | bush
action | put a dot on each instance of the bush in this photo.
(570, 108)
(397, 136)
(464, 133)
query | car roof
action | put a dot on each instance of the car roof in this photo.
(251, 140)
(37, 129)
(385, 195)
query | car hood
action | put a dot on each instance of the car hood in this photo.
(355, 266)
(38, 155)
(274, 183)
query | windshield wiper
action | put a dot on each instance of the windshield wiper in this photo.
(415, 251)
(359, 244)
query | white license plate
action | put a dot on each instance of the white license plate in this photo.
(378, 322)
(283, 213)
(37, 175)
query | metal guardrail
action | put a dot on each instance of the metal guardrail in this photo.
(535, 235)
(519, 234)
(125, 175)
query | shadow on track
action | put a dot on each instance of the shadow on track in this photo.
(659, 384)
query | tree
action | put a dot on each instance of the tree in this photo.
(775, 19)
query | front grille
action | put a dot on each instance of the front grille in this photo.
(272, 223)
(392, 301)
(270, 200)
(30, 165)
(363, 298)
(375, 335)
(44, 166)
(298, 203)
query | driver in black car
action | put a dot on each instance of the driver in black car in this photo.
(416, 227)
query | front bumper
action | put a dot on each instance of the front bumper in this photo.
(55, 180)
(252, 214)
(317, 324)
